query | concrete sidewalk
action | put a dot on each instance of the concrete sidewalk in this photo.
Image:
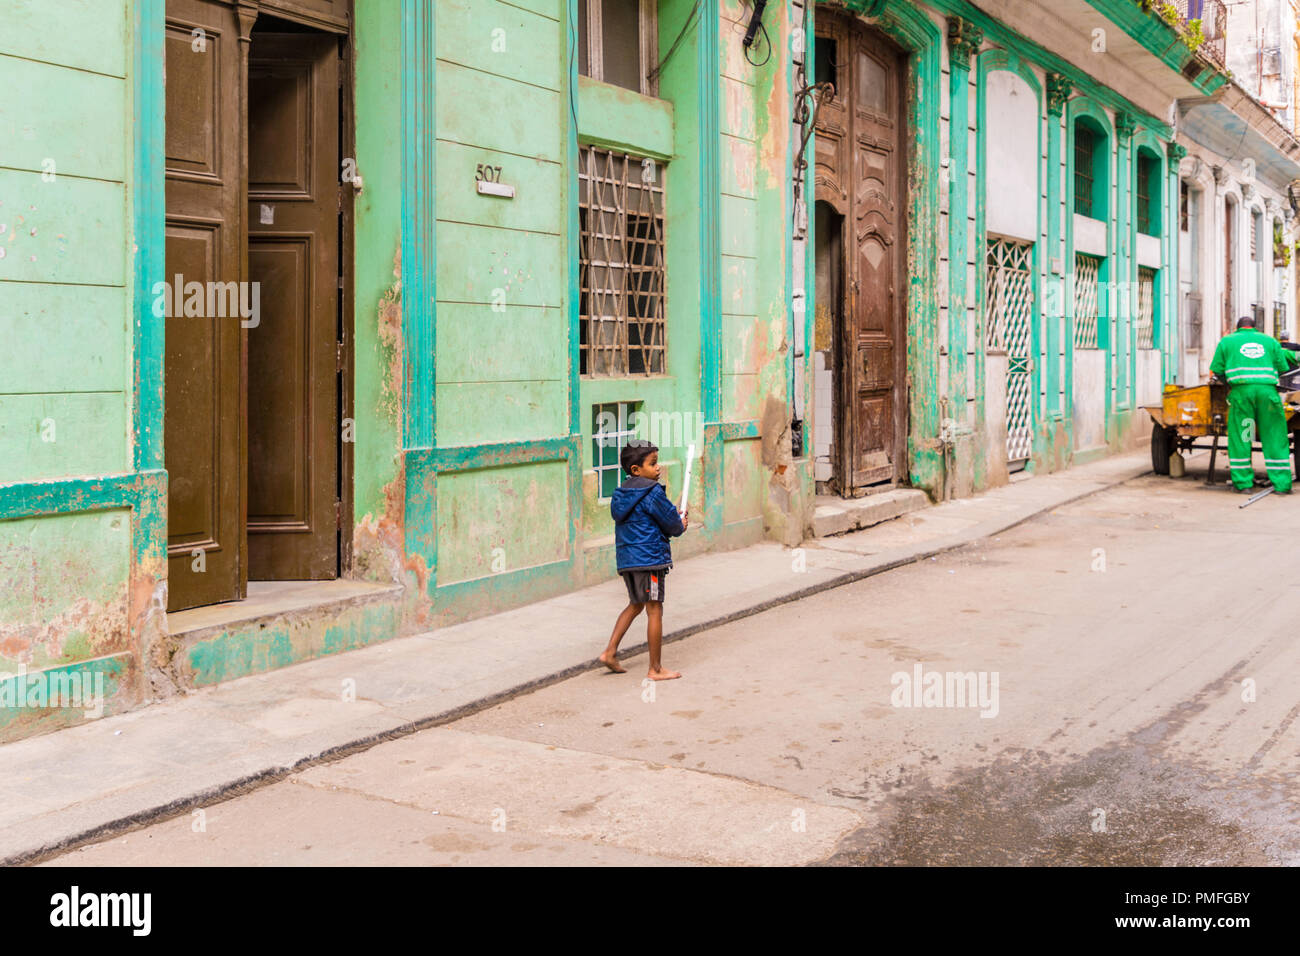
(66, 787)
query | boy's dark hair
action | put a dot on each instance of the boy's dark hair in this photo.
(636, 451)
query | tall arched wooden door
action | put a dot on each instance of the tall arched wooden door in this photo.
(862, 172)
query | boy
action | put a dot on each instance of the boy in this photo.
(644, 519)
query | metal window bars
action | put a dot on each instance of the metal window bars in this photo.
(621, 264)
(1146, 317)
(1084, 143)
(1009, 309)
(1087, 270)
(1144, 195)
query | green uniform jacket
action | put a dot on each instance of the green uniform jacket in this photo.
(1249, 357)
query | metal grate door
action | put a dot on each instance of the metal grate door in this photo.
(1009, 313)
(1146, 324)
(1086, 270)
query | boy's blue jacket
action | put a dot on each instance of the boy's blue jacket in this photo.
(643, 522)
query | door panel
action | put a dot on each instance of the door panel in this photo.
(202, 367)
(874, 372)
(293, 215)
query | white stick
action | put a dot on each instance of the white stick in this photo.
(686, 482)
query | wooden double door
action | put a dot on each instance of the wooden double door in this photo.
(861, 157)
(254, 326)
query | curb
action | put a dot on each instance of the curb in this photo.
(244, 784)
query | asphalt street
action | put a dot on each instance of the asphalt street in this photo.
(1113, 682)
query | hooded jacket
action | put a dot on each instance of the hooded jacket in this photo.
(643, 522)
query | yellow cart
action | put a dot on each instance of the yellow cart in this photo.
(1185, 415)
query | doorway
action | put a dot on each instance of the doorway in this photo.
(862, 177)
(1229, 263)
(256, 238)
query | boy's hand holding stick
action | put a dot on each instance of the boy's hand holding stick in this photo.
(684, 506)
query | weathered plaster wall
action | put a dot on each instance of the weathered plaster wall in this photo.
(1012, 193)
(74, 587)
(63, 225)
(1089, 398)
(1149, 383)
(378, 490)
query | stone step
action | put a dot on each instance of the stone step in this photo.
(842, 515)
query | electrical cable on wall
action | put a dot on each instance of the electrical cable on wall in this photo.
(690, 17)
(756, 24)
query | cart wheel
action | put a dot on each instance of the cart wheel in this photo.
(1163, 442)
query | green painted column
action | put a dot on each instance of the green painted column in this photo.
(1172, 359)
(964, 39)
(1120, 354)
(147, 218)
(708, 67)
(1058, 91)
(419, 242)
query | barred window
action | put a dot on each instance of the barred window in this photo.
(1085, 145)
(1086, 310)
(1148, 196)
(1146, 324)
(620, 264)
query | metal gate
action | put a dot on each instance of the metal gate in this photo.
(1009, 313)
(1086, 302)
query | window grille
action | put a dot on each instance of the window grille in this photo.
(1146, 325)
(1009, 310)
(1144, 196)
(620, 264)
(1086, 272)
(1085, 144)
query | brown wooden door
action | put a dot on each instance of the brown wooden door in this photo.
(203, 419)
(293, 256)
(861, 172)
(874, 349)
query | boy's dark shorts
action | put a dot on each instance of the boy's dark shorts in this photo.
(643, 586)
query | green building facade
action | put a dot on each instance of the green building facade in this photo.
(559, 223)
(502, 200)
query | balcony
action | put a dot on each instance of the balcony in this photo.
(1203, 24)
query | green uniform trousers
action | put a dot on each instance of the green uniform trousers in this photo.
(1256, 411)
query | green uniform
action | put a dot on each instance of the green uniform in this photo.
(1250, 362)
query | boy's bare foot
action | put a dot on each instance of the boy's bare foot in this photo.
(610, 661)
(663, 674)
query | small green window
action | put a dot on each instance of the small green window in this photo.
(1148, 195)
(611, 426)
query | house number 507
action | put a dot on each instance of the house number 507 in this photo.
(488, 174)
